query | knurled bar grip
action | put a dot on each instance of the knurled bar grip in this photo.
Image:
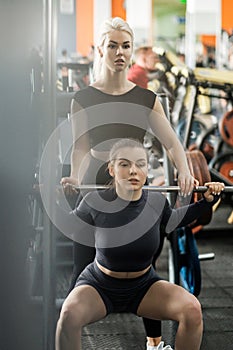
(154, 188)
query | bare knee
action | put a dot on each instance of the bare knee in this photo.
(70, 319)
(192, 312)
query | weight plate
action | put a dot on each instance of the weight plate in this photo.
(199, 169)
(226, 169)
(226, 127)
(198, 166)
(223, 163)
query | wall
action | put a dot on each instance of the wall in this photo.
(167, 22)
(227, 19)
(66, 35)
(84, 25)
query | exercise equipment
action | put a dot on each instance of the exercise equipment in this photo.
(189, 262)
(74, 72)
(211, 142)
(197, 130)
(226, 127)
(197, 133)
(197, 189)
(223, 163)
(199, 169)
(226, 169)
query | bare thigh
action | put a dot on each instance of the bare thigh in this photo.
(84, 305)
(165, 300)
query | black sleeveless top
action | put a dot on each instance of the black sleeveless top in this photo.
(110, 117)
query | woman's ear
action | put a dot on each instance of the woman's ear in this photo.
(111, 169)
(100, 51)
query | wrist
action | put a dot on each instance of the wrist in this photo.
(73, 180)
(209, 198)
(212, 198)
(183, 170)
(73, 175)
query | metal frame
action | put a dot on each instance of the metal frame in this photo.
(50, 16)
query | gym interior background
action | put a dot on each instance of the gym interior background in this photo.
(34, 33)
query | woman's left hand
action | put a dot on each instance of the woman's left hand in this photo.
(186, 182)
(214, 188)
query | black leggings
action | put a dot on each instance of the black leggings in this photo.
(83, 256)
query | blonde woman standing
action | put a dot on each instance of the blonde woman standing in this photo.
(111, 108)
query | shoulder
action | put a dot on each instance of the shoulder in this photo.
(83, 96)
(86, 205)
(155, 205)
(82, 92)
(146, 92)
(154, 199)
(95, 203)
(99, 196)
(90, 196)
(143, 96)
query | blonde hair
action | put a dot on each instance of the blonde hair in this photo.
(108, 26)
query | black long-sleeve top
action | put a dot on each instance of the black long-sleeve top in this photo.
(127, 233)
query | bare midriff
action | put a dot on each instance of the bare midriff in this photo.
(117, 274)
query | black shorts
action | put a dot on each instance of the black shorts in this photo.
(118, 294)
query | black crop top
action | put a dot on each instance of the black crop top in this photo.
(91, 96)
(111, 117)
(127, 234)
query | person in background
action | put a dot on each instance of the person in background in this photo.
(97, 103)
(64, 58)
(144, 68)
(148, 72)
(126, 223)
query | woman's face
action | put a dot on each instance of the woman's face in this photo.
(117, 50)
(130, 168)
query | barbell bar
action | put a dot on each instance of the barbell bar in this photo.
(153, 188)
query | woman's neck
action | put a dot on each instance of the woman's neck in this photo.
(128, 195)
(114, 83)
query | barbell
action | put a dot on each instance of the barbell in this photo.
(198, 168)
(199, 189)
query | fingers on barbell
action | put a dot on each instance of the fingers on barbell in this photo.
(215, 187)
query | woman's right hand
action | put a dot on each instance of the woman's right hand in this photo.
(69, 184)
(213, 188)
